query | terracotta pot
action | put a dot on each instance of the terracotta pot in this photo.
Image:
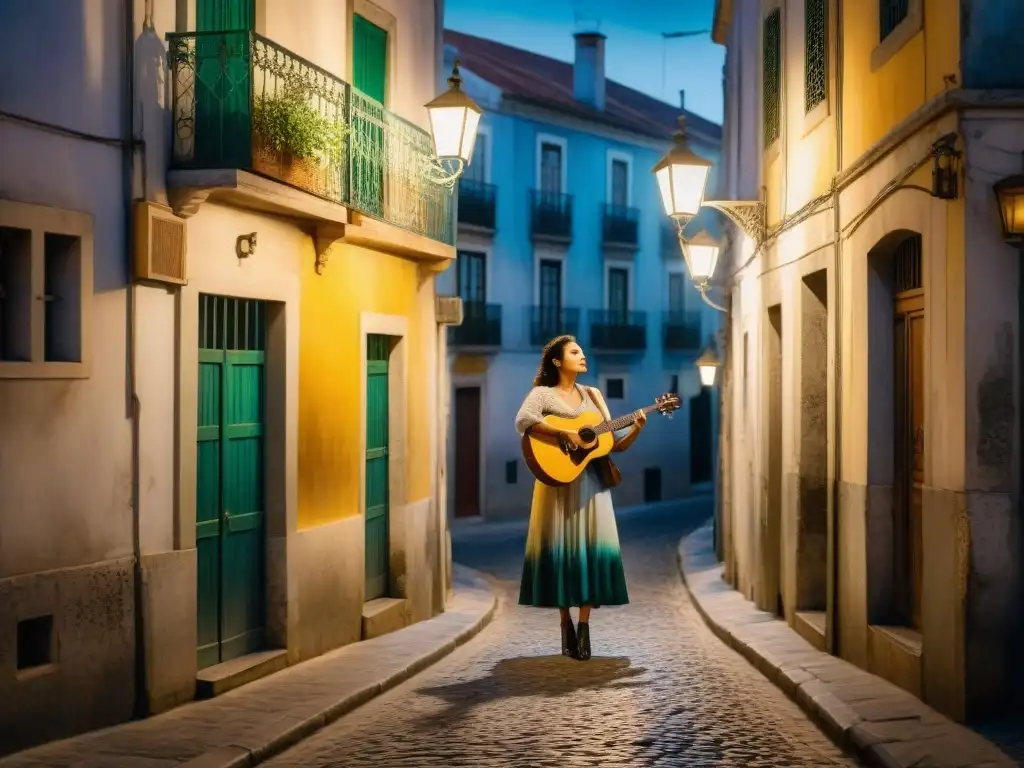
(299, 172)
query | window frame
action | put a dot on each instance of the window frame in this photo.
(563, 144)
(617, 155)
(771, 151)
(605, 378)
(41, 220)
(814, 116)
(898, 38)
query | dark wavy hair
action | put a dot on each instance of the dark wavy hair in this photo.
(547, 371)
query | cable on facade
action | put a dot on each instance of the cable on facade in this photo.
(63, 131)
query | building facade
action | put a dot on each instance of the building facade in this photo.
(221, 362)
(561, 230)
(871, 458)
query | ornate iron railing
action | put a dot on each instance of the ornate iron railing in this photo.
(477, 204)
(550, 214)
(242, 101)
(547, 322)
(481, 326)
(680, 330)
(620, 224)
(613, 329)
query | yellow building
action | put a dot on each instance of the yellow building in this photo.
(873, 441)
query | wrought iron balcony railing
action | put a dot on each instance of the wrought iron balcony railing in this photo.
(241, 101)
(481, 326)
(477, 204)
(613, 329)
(620, 225)
(547, 322)
(680, 330)
(670, 246)
(550, 215)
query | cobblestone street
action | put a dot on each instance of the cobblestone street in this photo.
(661, 690)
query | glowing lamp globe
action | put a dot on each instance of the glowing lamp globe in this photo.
(454, 119)
(707, 367)
(682, 175)
(1010, 195)
(701, 255)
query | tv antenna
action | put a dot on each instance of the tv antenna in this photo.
(665, 37)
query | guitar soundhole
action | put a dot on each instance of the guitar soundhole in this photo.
(587, 434)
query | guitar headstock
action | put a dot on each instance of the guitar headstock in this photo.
(667, 403)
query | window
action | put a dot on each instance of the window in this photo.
(673, 384)
(619, 183)
(369, 59)
(615, 389)
(815, 53)
(477, 169)
(772, 76)
(511, 472)
(618, 294)
(45, 291)
(35, 642)
(890, 14)
(472, 277)
(652, 484)
(676, 303)
(550, 295)
(551, 167)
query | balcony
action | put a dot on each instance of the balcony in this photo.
(250, 116)
(480, 329)
(548, 322)
(670, 247)
(617, 331)
(620, 226)
(680, 331)
(550, 216)
(477, 205)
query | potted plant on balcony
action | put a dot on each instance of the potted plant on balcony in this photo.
(294, 141)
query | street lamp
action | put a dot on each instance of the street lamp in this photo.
(454, 120)
(701, 255)
(1010, 195)
(708, 365)
(682, 175)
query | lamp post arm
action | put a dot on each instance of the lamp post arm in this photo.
(747, 215)
(703, 289)
(445, 172)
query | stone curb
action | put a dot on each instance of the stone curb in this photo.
(866, 716)
(473, 607)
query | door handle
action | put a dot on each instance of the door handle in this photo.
(227, 514)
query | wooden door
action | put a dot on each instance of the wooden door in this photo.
(550, 300)
(378, 350)
(222, 130)
(230, 524)
(369, 76)
(467, 451)
(620, 185)
(551, 173)
(618, 295)
(909, 432)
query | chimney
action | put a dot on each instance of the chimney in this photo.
(682, 99)
(588, 71)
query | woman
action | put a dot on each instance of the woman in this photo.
(572, 548)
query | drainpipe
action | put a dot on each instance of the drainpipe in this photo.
(832, 540)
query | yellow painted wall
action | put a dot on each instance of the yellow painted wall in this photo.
(874, 102)
(331, 369)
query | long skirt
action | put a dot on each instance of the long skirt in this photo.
(573, 556)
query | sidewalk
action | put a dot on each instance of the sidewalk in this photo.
(250, 724)
(884, 726)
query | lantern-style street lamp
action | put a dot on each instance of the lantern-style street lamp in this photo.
(701, 255)
(682, 175)
(707, 366)
(454, 120)
(1010, 196)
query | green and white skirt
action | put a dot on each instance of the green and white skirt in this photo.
(573, 556)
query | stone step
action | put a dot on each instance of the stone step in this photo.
(228, 675)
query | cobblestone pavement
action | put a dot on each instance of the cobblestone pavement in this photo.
(660, 691)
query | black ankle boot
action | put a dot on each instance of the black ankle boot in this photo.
(584, 638)
(570, 644)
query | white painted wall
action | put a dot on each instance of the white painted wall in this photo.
(65, 445)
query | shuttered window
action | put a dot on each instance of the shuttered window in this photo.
(815, 53)
(369, 59)
(772, 74)
(890, 14)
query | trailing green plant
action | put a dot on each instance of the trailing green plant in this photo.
(286, 122)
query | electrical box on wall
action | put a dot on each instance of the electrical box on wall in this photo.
(160, 244)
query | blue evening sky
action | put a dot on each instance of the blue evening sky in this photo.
(636, 54)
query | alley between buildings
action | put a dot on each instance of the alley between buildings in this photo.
(661, 690)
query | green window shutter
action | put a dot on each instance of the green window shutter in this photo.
(369, 58)
(772, 74)
(815, 53)
(225, 15)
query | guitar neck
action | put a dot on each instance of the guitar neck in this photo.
(622, 422)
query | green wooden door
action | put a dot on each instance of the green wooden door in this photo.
(377, 351)
(369, 76)
(230, 538)
(223, 83)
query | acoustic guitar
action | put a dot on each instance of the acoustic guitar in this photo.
(556, 461)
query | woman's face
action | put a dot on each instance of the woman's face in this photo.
(573, 359)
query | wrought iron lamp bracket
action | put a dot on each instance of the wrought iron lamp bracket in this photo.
(702, 289)
(445, 172)
(748, 215)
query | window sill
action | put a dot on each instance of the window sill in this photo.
(906, 638)
(18, 370)
(815, 117)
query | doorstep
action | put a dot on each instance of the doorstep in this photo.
(881, 724)
(251, 724)
(228, 675)
(384, 615)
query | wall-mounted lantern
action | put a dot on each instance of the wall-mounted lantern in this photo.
(454, 120)
(945, 168)
(707, 366)
(1010, 196)
(682, 175)
(701, 255)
